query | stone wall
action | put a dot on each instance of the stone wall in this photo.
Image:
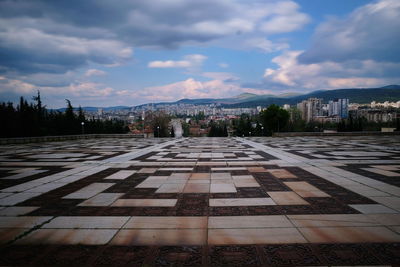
(288, 134)
(37, 139)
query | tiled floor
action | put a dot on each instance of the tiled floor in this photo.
(202, 202)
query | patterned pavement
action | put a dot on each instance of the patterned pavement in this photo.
(303, 201)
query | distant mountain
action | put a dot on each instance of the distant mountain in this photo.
(95, 109)
(355, 95)
(360, 95)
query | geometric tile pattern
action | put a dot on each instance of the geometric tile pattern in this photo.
(202, 202)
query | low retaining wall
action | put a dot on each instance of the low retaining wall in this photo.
(289, 134)
(37, 139)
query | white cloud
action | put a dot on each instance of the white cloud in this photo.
(328, 74)
(189, 61)
(265, 45)
(370, 32)
(287, 23)
(189, 88)
(95, 72)
(223, 65)
(223, 76)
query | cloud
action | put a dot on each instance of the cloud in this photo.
(56, 36)
(222, 76)
(94, 72)
(223, 65)
(28, 50)
(189, 88)
(189, 61)
(286, 18)
(265, 45)
(221, 86)
(371, 32)
(290, 73)
(360, 50)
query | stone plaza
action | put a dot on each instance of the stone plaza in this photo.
(258, 201)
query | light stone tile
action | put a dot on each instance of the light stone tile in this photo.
(9, 234)
(389, 201)
(287, 198)
(198, 182)
(222, 181)
(23, 221)
(228, 169)
(180, 176)
(222, 188)
(331, 220)
(88, 222)
(316, 193)
(242, 236)
(176, 169)
(68, 237)
(266, 221)
(3, 195)
(372, 208)
(231, 202)
(171, 188)
(16, 211)
(349, 234)
(222, 175)
(160, 237)
(89, 191)
(200, 176)
(17, 198)
(382, 172)
(121, 175)
(301, 186)
(45, 188)
(153, 222)
(385, 219)
(147, 170)
(101, 200)
(281, 173)
(256, 169)
(196, 188)
(145, 203)
(240, 177)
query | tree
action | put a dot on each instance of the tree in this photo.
(274, 118)
(159, 122)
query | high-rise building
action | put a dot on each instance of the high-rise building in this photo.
(339, 107)
(310, 108)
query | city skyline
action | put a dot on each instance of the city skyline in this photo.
(134, 52)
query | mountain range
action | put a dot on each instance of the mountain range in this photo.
(355, 95)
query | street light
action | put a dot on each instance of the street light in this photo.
(83, 127)
(158, 131)
(262, 130)
(249, 133)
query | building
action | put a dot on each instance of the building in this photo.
(310, 108)
(339, 107)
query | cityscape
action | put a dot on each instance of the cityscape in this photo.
(200, 133)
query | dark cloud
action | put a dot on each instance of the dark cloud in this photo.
(56, 36)
(371, 32)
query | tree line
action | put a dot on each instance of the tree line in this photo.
(34, 119)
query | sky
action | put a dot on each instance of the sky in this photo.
(130, 52)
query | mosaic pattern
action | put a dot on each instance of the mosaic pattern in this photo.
(201, 201)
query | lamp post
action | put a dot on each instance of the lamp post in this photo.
(249, 133)
(83, 127)
(158, 131)
(262, 130)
